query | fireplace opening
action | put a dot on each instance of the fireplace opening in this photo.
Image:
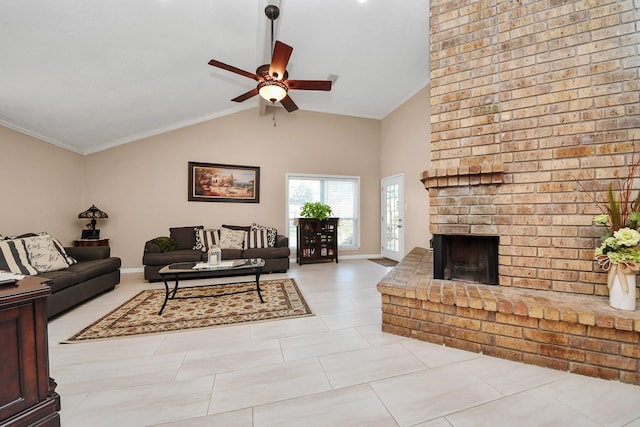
(470, 258)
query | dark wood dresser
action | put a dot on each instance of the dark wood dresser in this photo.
(27, 394)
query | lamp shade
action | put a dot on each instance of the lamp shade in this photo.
(272, 90)
(93, 213)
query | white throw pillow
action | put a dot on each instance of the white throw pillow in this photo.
(70, 260)
(231, 239)
(43, 254)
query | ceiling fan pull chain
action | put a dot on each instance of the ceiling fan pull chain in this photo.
(274, 117)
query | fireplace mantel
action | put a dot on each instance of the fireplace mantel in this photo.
(484, 173)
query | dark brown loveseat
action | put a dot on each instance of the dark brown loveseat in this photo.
(184, 247)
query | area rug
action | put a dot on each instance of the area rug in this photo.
(139, 315)
(386, 262)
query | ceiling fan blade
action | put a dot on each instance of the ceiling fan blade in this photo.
(233, 69)
(280, 59)
(288, 104)
(253, 92)
(309, 84)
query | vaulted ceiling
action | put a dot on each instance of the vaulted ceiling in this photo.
(89, 75)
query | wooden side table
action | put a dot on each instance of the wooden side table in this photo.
(91, 242)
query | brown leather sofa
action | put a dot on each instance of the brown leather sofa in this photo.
(184, 239)
(95, 272)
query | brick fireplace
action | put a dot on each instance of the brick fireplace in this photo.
(535, 106)
(466, 257)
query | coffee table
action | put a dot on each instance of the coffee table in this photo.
(227, 268)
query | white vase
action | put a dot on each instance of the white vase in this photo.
(620, 299)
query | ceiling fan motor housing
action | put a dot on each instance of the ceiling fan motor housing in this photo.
(263, 71)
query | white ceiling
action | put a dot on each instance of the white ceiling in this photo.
(89, 75)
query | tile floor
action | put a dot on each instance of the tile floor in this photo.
(332, 369)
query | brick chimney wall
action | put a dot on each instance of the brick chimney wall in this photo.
(535, 106)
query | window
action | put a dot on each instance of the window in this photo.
(342, 193)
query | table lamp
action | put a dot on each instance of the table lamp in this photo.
(93, 213)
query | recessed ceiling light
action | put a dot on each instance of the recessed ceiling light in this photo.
(362, 1)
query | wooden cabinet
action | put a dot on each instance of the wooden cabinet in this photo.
(317, 240)
(27, 394)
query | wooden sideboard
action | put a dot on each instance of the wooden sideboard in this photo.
(27, 394)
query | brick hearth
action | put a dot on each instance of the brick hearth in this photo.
(569, 332)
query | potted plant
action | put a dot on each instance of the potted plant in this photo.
(316, 210)
(619, 253)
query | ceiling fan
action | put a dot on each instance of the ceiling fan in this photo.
(273, 83)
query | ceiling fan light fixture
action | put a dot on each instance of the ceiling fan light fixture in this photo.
(272, 90)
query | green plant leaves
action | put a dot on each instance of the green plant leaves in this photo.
(315, 210)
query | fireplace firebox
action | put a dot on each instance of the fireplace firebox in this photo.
(466, 257)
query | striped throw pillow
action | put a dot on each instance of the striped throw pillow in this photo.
(207, 239)
(15, 258)
(272, 233)
(256, 238)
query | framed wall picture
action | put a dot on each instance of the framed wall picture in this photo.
(213, 182)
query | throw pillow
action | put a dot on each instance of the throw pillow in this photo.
(185, 237)
(256, 239)
(231, 239)
(206, 239)
(14, 257)
(237, 227)
(166, 244)
(70, 260)
(43, 254)
(272, 233)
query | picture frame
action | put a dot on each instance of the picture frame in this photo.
(215, 182)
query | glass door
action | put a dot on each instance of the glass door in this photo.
(392, 237)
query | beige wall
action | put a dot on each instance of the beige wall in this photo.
(41, 187)
(404, 149)
(143, 185)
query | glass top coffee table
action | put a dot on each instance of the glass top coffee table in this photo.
(232, 267)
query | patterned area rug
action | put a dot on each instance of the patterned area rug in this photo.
(139, 315)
